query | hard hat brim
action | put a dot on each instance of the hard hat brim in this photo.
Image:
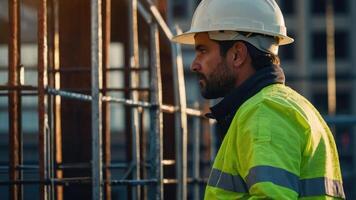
(188, 38)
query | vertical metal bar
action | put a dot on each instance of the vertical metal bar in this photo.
(42, 98)
(106, 105)
(134, 82)
(57, 99)
(181, 123)
(96, 84)
(15, 135)
(51, 100)
(330, 44)
(196, 155)
(156, 148)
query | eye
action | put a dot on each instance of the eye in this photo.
(201, 50)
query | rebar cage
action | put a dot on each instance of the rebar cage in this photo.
(135, 97)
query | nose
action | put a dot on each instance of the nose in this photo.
(195, 66)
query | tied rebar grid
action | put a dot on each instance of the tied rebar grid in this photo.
(48, 135)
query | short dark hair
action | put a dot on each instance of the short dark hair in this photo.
(259, 58)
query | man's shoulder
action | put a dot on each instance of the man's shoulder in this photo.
(276, 98)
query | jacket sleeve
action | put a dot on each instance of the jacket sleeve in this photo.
(269, 146)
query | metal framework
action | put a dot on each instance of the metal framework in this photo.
(145, 172)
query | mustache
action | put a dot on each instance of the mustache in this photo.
(200, 76)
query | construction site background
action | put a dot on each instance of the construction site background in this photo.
(139, 116)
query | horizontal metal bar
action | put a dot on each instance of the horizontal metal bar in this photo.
(70, 95)
(124, 89)
(85, 69)
(5, 168)
(87, 180)
(202, 181)
(70, 69)
(74, 166)
(20, 167)
(63, 181)
(128, 102)
(189, 111)
(129, 69)
(168, 162)
(341, 119)
(170, 181)
(22, 94)
(133, 182)
(20, 87)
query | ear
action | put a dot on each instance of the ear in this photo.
(239, 54)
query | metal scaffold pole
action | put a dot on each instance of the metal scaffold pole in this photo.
(156, 137)
(180, 121)
(106, 105)
(57, 99)
(15, 130)
(42, 97)
(134, 82)
(196, 155)
(96, 84)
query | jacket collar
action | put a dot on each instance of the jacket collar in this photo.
(225, 110)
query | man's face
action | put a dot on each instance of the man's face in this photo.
(216, 76)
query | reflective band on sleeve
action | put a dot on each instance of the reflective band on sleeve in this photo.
(275, 175)
(304, 187)
(227, 181)
(321, 186)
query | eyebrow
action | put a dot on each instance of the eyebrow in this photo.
(198, 47)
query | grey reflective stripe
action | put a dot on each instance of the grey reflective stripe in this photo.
(321, 186)
(227, 181)
(304, 187)
(275, 175)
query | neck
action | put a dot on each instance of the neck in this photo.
(245, 72)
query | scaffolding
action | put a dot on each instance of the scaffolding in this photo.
(145, 168)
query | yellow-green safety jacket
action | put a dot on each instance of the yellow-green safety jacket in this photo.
(277, 146)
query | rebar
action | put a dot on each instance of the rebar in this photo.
(105, 105)
(42, 99)
(96, 84)
(159, 19)
(156, 137)
(196, 155)
(134, 82)
(15, 135)
(181, 123)
(50, 166)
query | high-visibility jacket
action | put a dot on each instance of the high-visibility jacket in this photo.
(278, 147)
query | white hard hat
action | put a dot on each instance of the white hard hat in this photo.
(252, 16)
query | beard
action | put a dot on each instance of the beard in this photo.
(218, 83)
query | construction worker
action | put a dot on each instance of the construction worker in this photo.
(276, 144)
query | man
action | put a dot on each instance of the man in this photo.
(276, 143)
